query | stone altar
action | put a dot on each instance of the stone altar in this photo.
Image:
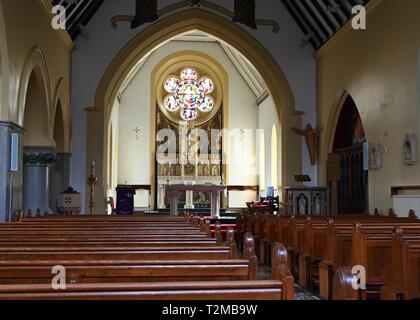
(214, 190)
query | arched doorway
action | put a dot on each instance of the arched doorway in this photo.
(99, 116)
(348, 146)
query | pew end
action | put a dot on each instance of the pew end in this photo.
(280, 270)
(343, 285)
(325, 280)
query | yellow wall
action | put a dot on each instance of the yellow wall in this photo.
(379, 68)
(28, 40)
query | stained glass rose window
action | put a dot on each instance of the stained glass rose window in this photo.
(188, 94)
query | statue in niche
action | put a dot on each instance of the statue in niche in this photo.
(200, 170)
(317, 204)
(207, 172)
(302, 205)
(162, 169)
(178, 170)
(215, 170)
(410, 152)
(189, 170)
(375, 157)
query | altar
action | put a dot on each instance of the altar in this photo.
(174, 191)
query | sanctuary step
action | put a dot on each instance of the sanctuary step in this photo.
(196, 211)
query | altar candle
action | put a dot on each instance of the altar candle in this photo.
(93, 168)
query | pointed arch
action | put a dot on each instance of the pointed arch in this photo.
(342, 98)
(34, 63)
(61, 101)
(163, 30)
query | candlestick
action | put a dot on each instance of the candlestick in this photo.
(93, 168)
(92, 180)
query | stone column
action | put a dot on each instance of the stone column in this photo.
(215, 204)
(189, 199)
(10, 182)
(36, 170)
(161, 197)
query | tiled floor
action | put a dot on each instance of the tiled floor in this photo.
(300, 293)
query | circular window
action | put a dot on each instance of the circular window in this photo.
(189, 96)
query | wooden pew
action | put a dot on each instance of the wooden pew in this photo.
(314, 243)
(128, 270)
(339, 247)
(214, 290)
(21, 272)
(343, 285)
(403, 274)
(371, 248)
(103, 218)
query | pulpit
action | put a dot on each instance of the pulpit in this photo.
(307, 201)
(175, 190)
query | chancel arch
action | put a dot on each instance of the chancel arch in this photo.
(162, 31)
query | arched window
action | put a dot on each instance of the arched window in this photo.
(261, 158)
(274, 157)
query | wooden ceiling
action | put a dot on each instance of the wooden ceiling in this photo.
(78, 13)
(318, 19)
(321, 19)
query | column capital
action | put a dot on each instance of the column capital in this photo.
(39, 159)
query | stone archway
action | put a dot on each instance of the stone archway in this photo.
(38, 146)
(347, 145)
(165, 29)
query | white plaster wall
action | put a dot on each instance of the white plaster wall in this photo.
(92, 57)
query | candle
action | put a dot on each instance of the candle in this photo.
(93, 168)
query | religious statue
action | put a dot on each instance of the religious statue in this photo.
(311, 136)
(178, 170)
(200, 170)
(317, 205)
(302, 205)
(410, 152)
(375, 157)
(207, 172)
(215, 170)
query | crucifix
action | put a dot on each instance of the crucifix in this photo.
(137, 130)
(311, 137)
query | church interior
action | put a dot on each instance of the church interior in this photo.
(209, 150)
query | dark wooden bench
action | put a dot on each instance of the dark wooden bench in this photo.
(403, 273)
(214, 290)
